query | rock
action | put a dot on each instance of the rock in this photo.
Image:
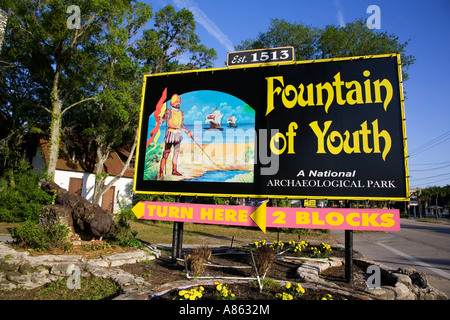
(403, 292)
(403, 278)
(10, 265)
(89, 220)
(417, 278)
(27, 268)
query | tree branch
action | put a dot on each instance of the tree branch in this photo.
(44, 108)
(75, 104)
(125, 166)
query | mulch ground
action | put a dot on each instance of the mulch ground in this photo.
(162, 271)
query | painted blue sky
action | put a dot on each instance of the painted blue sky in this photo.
(197, 104)
(225, 24)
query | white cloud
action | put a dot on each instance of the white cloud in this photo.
(207, 23)
(340, 13)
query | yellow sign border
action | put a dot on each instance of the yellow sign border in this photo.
(193, 194)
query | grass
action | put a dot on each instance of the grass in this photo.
(91, 288)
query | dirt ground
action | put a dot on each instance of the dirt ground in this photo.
(162, 271)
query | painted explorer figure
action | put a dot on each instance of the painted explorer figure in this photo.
(174, 118)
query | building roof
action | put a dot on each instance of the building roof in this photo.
(113, 165)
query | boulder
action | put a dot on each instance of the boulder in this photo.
(89, 220)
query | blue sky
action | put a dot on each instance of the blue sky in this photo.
(224, 24)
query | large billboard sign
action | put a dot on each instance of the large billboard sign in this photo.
(323, 129)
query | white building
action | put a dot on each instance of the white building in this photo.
(71, 176)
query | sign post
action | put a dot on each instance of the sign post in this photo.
(177, 238)
(349, 255)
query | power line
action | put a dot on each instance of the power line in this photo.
(431, 144)
(429, 164)
(429, 183)
(431, 141)
(439, 175)
(431, 169)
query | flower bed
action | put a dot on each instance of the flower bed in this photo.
(272, 290)
(300, 249)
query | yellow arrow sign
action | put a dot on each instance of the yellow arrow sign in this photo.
(138, 209)
(259, 216)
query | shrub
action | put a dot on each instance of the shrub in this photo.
(264, 258)
(197, 258)
(123, 234)
(31, 236)
(23, 199)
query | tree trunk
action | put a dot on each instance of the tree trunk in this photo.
(100, 176)
(55, 130)
(100, 187)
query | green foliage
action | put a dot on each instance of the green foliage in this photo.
(353, 39)
(31, 236)
(22, 198)
(173, 35)
(435, 196)
(123, 235)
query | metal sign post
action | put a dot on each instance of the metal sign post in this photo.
(177, 239)
(349, 255)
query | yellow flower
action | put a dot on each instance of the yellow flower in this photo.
(287, 296)
(201, 289)
(182, 293)
(288, 285)
(300, 289)
(186, 295)
(219, 287)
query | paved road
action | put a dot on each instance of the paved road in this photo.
(419, 245)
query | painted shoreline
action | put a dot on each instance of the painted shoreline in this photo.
(193, 162)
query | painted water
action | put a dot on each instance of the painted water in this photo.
(219, 175)
(243, 133)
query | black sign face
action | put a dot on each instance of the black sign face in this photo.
(325, 129)
(273, 55)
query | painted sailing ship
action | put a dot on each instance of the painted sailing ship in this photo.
(232, 121)
(214, 119)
